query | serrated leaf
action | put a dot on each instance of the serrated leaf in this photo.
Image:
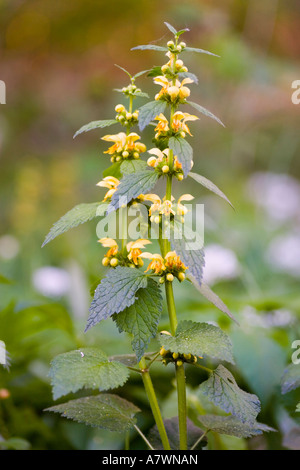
(172, 430)
(190, 75)
(222, 389)
(104, 411)
(189, 247)
(171, 28)
(150, 47)
(85, 368)
(141, 319)
(183, 151)
(201, 51)
(291, 378)
(205, 111)
(210, 295)
(76, 216)
(131, 186)
(113, 170)
(149, 111)
(115, 292)
(199, 339)
(232, 426)
(209, 185)
(95, 125)
(132, 166)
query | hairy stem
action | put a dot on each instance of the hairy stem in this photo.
(181, 393)
(154, 404)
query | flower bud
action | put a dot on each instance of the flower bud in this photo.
(187, 356)
(182, 44)
(180, 176)
(181, 277)
(179, 64)
(126, 123)
(170, 44)
(136, 155)
(140, 147)
(128, 116)
(112, 159)
(165, 169)
(125, 154)
(163, 351)
(179, 363)
(161, 280)
(184, 92)
(169, 277)
(175, 355)
(156, 219)
(173, 91)
(119, 108)
(114, 262)
(182, 134)
(164, 68)
(118, 158)
(135, 115)
(184, 69)
(179, 48)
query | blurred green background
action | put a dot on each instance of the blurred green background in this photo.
(57, 60)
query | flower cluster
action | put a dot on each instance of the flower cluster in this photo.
(161, 163)
(125, 146)
(125, 117)
(172, 93)
(169, 356)
(131, 256)
(111, 183)
(168, 267)
(166, 207)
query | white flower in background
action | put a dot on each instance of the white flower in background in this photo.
(283, 254)
(220, 263)
(9, 247)
(278, 194)
(275, 318)
(51, 282)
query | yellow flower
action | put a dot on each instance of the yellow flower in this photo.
(162, 155)
(134, 249)
(173, 262)
(184, 91)
(163, 124)
(111, 244)
(177, 125)
(164, 83)
(157, 262)
(111, 183)
(181, 209)
(130, 139)
(174, 91)
(119, 139)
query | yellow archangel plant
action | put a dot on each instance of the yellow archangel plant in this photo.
(131, 293)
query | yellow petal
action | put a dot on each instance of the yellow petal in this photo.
(187, 80)
(152, 197)
(108, 242)
(185, 197)
(156, 152)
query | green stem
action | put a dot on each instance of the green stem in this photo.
(181, 394)
(154, 404)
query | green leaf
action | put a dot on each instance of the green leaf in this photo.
(104, 411)
(132, 166)
(188, 246)
(171, 28)
(76, 216)
(141, 94)
(115, 292)
(124, 70)
(131, 186)
(85, 368)
(140, 73)
(222, 389)
(209, 185)
(113, 170)
(155, 71)
(141, 319)
(5, 280)
(172, 429)
(190, 75)
(201, 51)
(149, 111)
(205, 111)
(150, 47)
(184, 152)
(95, 125)
(206, 291)
(232, 426)
(291, 378)
(199, 339)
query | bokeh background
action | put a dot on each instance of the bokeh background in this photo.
(57, 60)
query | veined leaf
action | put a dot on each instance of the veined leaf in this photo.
(76, 216)
(291, 378)
(209, 185)
(85, 368)
(172, 430)
(104, 411)
(150, 47)
(183, 151)
(132, 166)
(113, 170)
(205, 111)
(141, 318)
(232, 426)
(131, 186)
(206, 291)
(149, 111)
(188, 246)
(115, 292)
(95, 125)
(199, 339)
(222, 389)
(201, 51)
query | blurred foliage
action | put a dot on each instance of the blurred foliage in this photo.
(57, 62)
